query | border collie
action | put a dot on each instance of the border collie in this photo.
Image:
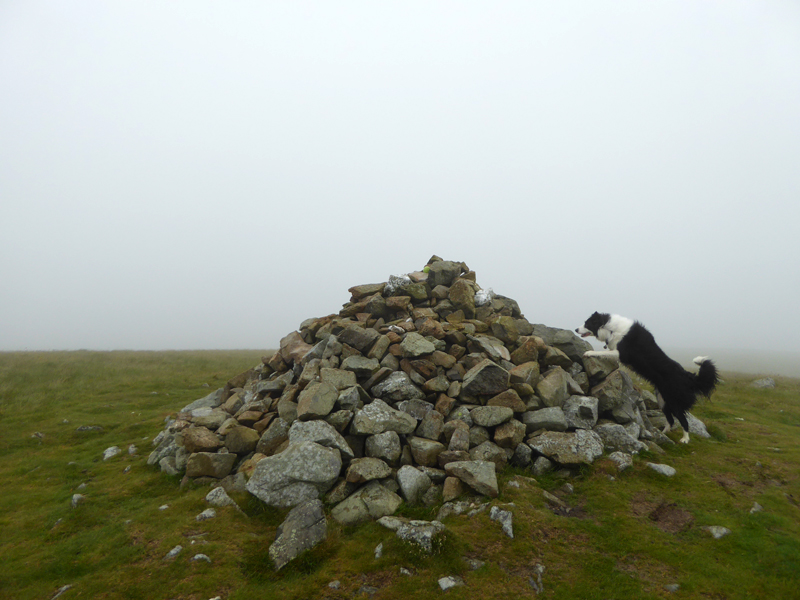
(634, 346)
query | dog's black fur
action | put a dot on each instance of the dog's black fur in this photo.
(677, 388)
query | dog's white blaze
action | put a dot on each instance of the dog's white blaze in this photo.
(614, 330)
(699, 360)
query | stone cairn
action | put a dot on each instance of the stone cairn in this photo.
(420, 389)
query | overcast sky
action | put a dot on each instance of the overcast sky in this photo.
(179, 175)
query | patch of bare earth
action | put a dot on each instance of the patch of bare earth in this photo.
(667, 516)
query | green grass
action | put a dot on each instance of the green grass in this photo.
(112, 546)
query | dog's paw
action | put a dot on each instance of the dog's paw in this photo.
(684, 439)
(590, 353)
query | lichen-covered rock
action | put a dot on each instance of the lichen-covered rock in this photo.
(304, 471)
(480, 475)
(580, 447)
(304, 527)
(378, 417)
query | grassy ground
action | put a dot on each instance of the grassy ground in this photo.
(625, 536)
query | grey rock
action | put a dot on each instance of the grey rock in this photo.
(485, 379)
(397, 387)
(665, 470)
(207, 514)
(615, 437)
(717, 532)
(764, 383)
(622, 460)
(553, 387)
(201, 557)
(551, 418)
(111, 452)
(563, 339)
(614, 391)
(316, 400)
(322, 433)
(505, 518)
(341, 379)
(173, 553)
(385, 446)
(366, 469)
(522, 455)
(580, 412)
(303, 471)
(580, 447)
(413, 483)
(213, 400)
(542, 465)
(490, 416)
(421, 533)
(219, 497)
(425, 451)
(414, 345)
(479, 475)
(210, 464)
(378, 417)
(360, 365)
(449, 582)
(303, 529)
(443, 272)
(274, 435)
(372, 501)
(697, 427)
(359, 337)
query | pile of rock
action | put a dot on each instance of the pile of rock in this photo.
(419, 389)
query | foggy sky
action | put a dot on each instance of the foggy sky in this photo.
(208, 175)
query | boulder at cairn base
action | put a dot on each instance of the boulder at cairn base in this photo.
(304, 471)
(304, 527)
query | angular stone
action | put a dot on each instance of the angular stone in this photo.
(485, 379)
(421, 533)
(322, 433)
(372, 501)
(581, 412)
(509, 434)
(366, 469)
(509, 398)
(581, 447)
(210, 464)
(563, 339)
(424, 451)
(397, 387)
(200, 439)
(490, 416)
(552, 389)
(489, 452)
(360, 365)
(479, 475)
(431, 425)
(462, 295)
(293, 348)
(359, 337)
(599, 367)
(413, 483)
(615, 437)
(551, 419)
(274, 435)
(522, 456)
(304, 527)
(378, 417)
(614, 391)
(528, 350)
(316, 401)
(414, 345)
(385, 446)
(505, 329)
(242, 440)
(453, 488)
(341, 379)
(443, 272)
(304, 471)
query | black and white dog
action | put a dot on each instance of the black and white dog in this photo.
(634, 346)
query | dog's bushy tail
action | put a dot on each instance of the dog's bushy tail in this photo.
(707, 377)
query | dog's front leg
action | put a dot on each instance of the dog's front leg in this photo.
(602, 354)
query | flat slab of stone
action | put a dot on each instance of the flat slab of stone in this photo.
(480, 475)
(370, 502)
(304, 527)
(304, 471)
(580, 447)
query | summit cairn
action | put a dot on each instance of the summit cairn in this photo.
(421, 385)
